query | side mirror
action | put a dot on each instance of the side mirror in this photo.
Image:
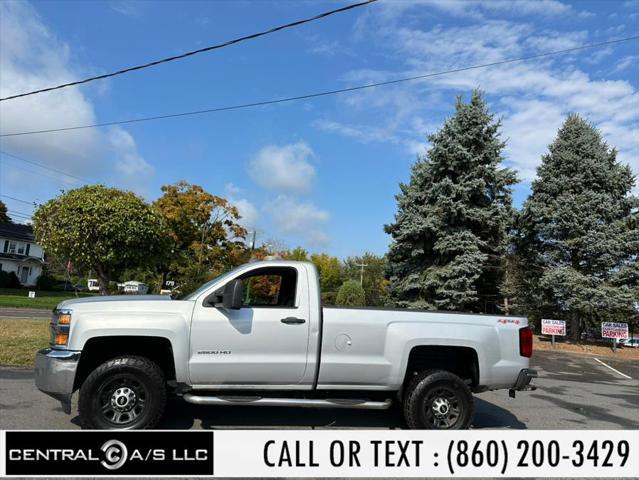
(233, 294)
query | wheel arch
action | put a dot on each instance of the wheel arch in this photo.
(98, 350)
(462, 361)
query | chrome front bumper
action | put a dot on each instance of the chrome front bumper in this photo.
(55, 374)
(523, 381)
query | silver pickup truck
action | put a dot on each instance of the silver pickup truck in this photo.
(259, 335)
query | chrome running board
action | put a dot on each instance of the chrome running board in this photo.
(287, 402)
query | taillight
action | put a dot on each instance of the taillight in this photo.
(525, 342)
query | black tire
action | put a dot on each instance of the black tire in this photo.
(438, 400)
(126, 392)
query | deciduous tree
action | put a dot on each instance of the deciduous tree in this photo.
(206, 236)
(103, 229)
(298, 253)
(330, 271)
(372, 276)
(4, 218)
(351, 294)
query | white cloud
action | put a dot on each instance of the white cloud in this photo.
(374, 134)
(443, 48)
(626, 62)
(362, 133)
(284, 168)
(546, 95)
(134, 170)
(551, 40)
(527, 7)
(295, 217)
(533, 97)
(33, 57)
(248, 212)
(325, 48)
(477, 9)
(128, 8)
(584, 15)
(231, 188)
(529, 128)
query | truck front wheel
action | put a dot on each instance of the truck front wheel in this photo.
(438, 400)
(126, 392)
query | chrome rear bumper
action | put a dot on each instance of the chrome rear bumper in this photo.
(523, 381)
(55, 374)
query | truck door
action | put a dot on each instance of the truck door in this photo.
(263, 343)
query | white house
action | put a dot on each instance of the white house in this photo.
(19, 253)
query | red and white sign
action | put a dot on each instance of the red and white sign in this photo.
(553, 327)
(614, 330)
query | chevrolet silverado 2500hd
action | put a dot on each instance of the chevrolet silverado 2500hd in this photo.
(259, 335)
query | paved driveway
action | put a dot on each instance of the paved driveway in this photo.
(575, 392)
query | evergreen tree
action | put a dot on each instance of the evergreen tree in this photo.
(578, 234)
(450, 231)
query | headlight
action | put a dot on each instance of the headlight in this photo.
(60, 325)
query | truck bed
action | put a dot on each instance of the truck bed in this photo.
(372, 345)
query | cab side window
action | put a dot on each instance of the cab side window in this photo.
(270, 287)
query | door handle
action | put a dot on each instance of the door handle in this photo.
(293, 321)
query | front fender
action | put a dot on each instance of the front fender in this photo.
(172, 326)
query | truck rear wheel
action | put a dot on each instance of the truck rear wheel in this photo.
(127, 392)
(438, 400)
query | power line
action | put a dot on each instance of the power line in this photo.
(43, 166)
(194, 52)
(17, 199)
(19, 215)
(321, 94)
(44, 173)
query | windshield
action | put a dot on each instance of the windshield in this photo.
(196, 293)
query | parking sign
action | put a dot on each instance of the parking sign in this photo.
(614, 330)
(553, 327)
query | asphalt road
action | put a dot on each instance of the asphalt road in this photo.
(574, 392)
(37, 313)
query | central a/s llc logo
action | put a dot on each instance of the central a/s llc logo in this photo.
(102, 453)
(116, 455)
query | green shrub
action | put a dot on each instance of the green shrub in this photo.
(351, 293)
(9, 280)
(45, 282)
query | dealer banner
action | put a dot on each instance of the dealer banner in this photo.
(553, 327)
(614, 330)
(325, 453)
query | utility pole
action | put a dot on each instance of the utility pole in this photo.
(361, 272)
(253, 243)
(247, 294)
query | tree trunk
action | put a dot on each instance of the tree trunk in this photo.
(103, 281)
(574, 326)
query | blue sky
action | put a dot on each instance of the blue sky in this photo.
(320, 173)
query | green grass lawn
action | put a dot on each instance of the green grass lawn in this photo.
(21, 339)
(19, 298)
